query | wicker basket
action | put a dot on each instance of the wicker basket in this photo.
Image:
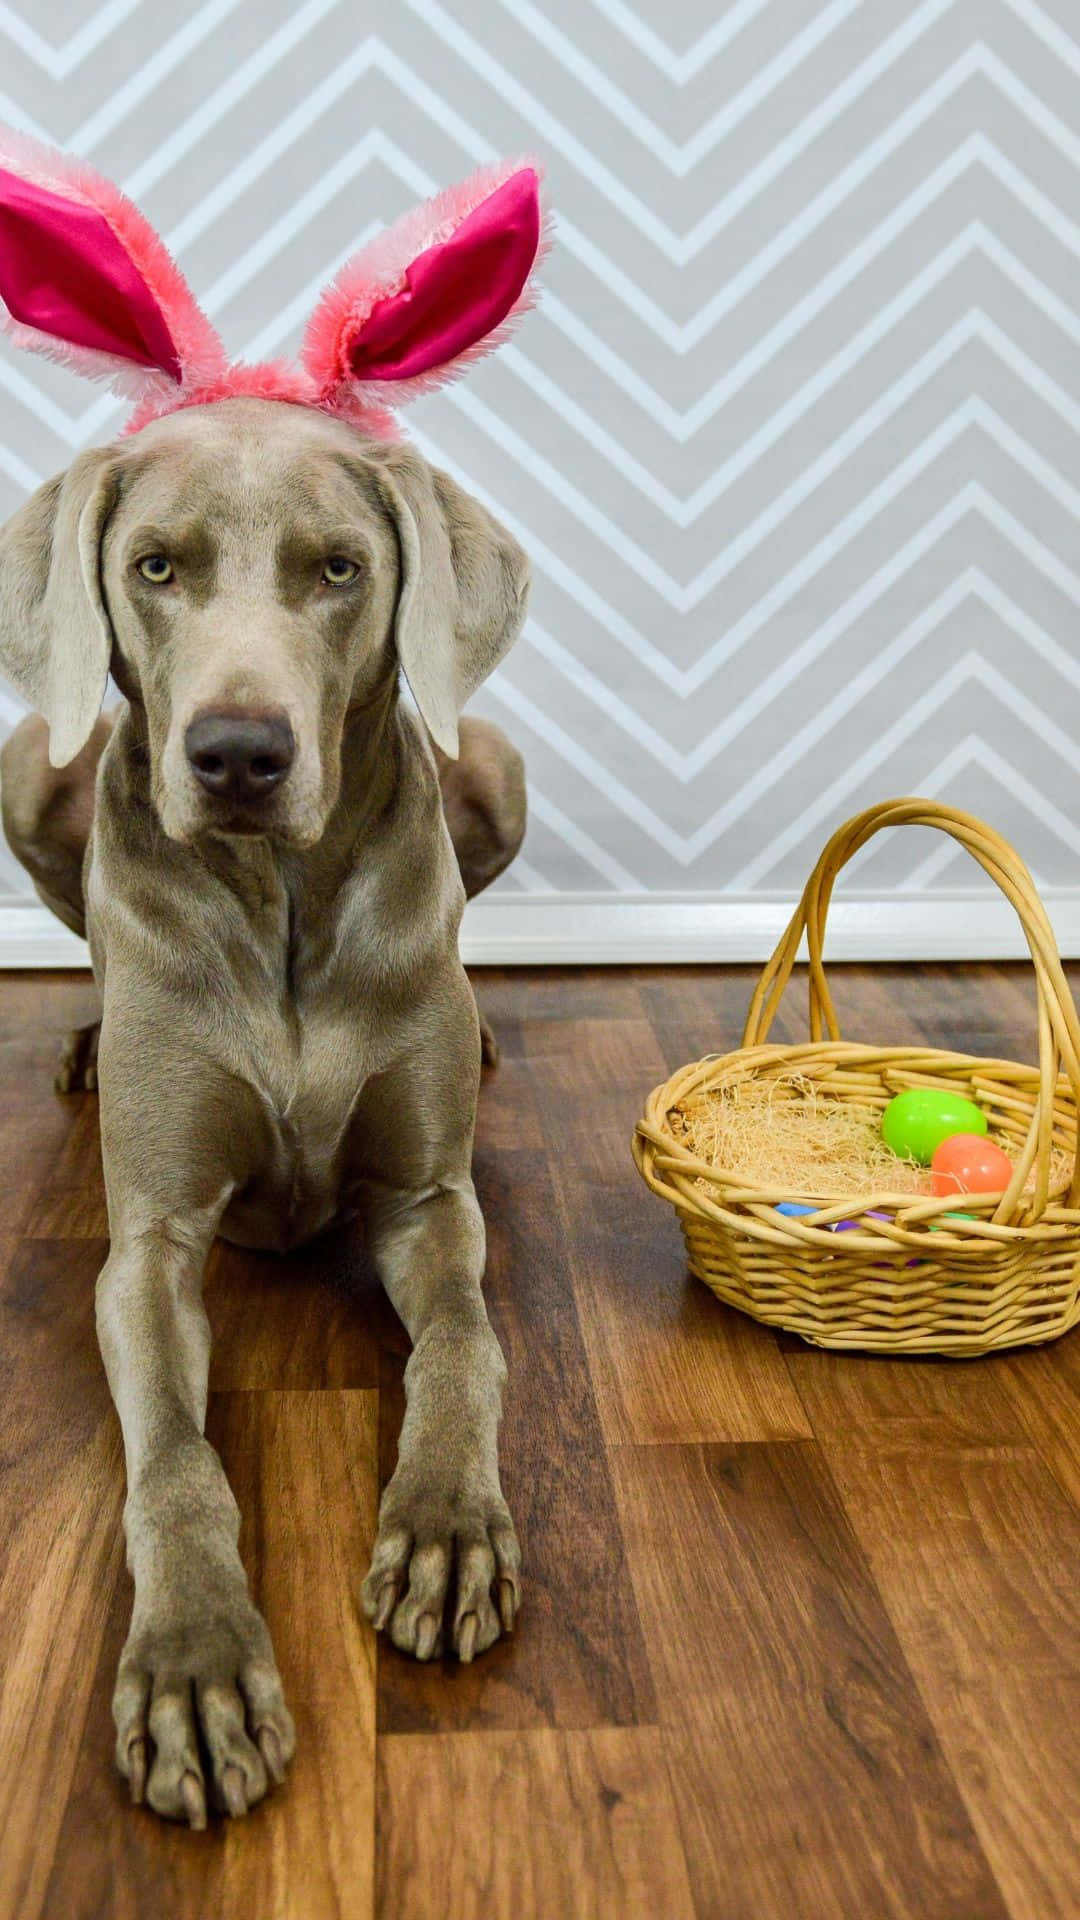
(910, 1282)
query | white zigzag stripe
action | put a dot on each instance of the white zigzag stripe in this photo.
(977, 60)
(974, 327)
(976, 150)
(224, 99)
(683, 66)
(972, 584)
(58, 62)
(972, 413)
(974, 240)
(596, 856)
(149, 75)
(971, 751)
(684, 512)
(680, 249)
(680, 161)
(968, 751)
(688, 682)
(686, 849)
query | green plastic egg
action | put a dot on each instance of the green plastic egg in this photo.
(917, 1121)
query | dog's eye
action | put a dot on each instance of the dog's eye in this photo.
(339, 572)
(156, 569)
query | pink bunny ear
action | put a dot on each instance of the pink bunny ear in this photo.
(431, 293)
(86, 280)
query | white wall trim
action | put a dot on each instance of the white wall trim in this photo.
(516, 929)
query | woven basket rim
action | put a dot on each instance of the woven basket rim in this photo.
(671, 1156)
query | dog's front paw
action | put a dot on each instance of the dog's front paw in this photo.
(199, 1689)
(425, 1536)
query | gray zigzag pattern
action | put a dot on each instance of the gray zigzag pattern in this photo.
(792, 437)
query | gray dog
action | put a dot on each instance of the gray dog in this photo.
(259, 853)
(269, 855)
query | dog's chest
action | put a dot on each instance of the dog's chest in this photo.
(308, 1058)
(306, 1081)
(313, 1031)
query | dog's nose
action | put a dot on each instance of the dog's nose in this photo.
(240, 756)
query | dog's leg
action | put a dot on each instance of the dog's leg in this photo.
(443, 1513)
(197, 1680)
(47, 814)
(483, 796)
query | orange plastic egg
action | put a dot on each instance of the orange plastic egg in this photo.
(968, 1163)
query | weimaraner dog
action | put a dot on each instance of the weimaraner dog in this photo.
(269, 854)
(258, 850)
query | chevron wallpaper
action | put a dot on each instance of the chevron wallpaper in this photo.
(791, 438)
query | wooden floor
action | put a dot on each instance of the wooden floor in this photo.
(800, 1638)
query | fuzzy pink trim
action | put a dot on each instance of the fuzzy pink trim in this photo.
(378, 272)
(199, 351)
(268, 380)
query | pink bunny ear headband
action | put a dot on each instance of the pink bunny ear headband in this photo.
(86, 280)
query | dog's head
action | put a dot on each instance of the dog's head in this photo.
(252, 573)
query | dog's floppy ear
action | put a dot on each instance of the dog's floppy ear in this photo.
(463, 591)
(55, 634)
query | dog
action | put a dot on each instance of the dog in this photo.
(269, 851)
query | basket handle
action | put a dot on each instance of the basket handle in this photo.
(1059, 1027)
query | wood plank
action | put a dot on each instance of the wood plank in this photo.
(552, 993)
(977, 1555)
(872, 1398)
(669, 1362)
(61, 1490)
(37, 1125)
(576, 1658)
(113, 1861)
(68, 1213)
(1042, 1386)
(500, 1826)
(53, 1392)
(300, 1321)
(70, 1201)
(304, 1470)
(54, 1599)
(78, 1163)
(806, 1773)
(302, 1466)
(695, 1010)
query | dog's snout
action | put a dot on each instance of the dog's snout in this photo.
(239, 756)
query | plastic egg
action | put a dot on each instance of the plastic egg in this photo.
(966, 1163)
(916, 1122)
(849, 1226)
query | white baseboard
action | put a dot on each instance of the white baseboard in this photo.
(537, 929)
